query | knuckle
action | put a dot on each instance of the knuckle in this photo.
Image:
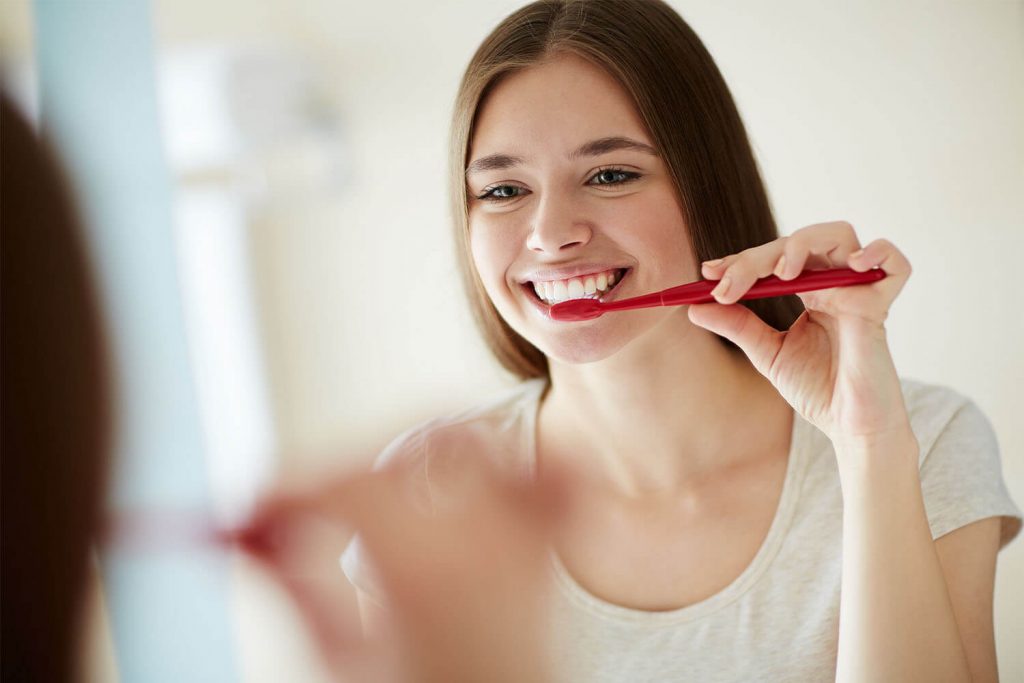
(795, 241)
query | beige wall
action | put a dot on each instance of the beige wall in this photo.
(903, 118)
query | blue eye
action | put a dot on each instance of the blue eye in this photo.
(610, 173)
(496, 194)
(609, 176)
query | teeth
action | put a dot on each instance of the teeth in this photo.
(592, 286)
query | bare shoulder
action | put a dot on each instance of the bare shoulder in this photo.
(496, 431)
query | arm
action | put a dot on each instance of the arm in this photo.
(968, 558)
(903, 593)
(909, 605)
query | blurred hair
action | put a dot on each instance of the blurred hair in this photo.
(682, 100)
(55, 403)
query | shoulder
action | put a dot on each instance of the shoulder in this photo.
(496, 428)
(428, 455)
(959, 459)
(936, 411)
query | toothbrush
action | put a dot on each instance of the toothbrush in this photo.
(575, 310)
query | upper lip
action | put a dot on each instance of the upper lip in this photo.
(567, 271)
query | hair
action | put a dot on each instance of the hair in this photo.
(686, 107)
(55, 410)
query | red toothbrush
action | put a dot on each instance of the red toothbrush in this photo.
(699, 292)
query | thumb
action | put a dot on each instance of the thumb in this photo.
(760, 341)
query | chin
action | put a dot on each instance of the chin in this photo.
(582, 347)
(591, 341)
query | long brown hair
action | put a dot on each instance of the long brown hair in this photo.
(55, 410)
(686, 107)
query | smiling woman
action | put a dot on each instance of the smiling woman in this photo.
(737, 470)
(696, 145)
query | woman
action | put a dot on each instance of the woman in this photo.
(756, 494)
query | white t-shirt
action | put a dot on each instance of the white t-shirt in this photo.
(779, 619)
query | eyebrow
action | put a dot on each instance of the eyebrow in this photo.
(499, 162)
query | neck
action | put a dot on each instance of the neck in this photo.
(660, 415)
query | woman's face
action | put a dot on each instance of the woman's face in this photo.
(553, 208)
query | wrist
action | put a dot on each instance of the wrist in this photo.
(877, 460)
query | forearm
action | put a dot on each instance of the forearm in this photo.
(896, 621)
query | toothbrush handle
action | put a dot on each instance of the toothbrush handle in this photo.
(807, 281)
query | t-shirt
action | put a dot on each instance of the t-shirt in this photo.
(779, 619)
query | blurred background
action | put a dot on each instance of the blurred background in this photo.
(300, 276)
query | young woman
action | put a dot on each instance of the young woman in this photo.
(756, 494)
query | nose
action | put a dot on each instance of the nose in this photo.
(557, 228)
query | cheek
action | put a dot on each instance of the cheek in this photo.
(491, 254)
(490, 264)
(661, 238)
(481, 251)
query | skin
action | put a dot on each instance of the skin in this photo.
(630, 404)
(639, 440)
(628, 390)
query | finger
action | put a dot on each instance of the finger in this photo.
(870, 301)
(335, 632)
(738, 272)
(713, 269)
(760, 341)
(823, 245)
(295, 505)
(883, 254)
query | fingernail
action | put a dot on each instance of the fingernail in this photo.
(723, 286)
(780, 267)
(857, 253)
(713, 263)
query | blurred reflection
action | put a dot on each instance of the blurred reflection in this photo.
(56, 421)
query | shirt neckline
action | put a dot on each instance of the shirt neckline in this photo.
(769, 548)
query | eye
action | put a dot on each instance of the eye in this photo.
(607, 176)
(498, 193)
(614, 176)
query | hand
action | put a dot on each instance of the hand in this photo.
(465, 584)
(833, 365)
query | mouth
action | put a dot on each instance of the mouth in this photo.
(599, 286)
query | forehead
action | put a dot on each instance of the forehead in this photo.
(552, 107)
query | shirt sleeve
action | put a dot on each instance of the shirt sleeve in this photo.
(407, 454)
(962, 479)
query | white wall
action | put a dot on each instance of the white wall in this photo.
(903, 118)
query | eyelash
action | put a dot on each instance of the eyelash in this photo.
(488, 195)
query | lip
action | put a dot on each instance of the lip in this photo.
(568, 271)
(528, 292)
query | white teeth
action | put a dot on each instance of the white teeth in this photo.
(592, 286)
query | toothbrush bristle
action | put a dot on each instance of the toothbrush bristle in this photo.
(575, 310)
